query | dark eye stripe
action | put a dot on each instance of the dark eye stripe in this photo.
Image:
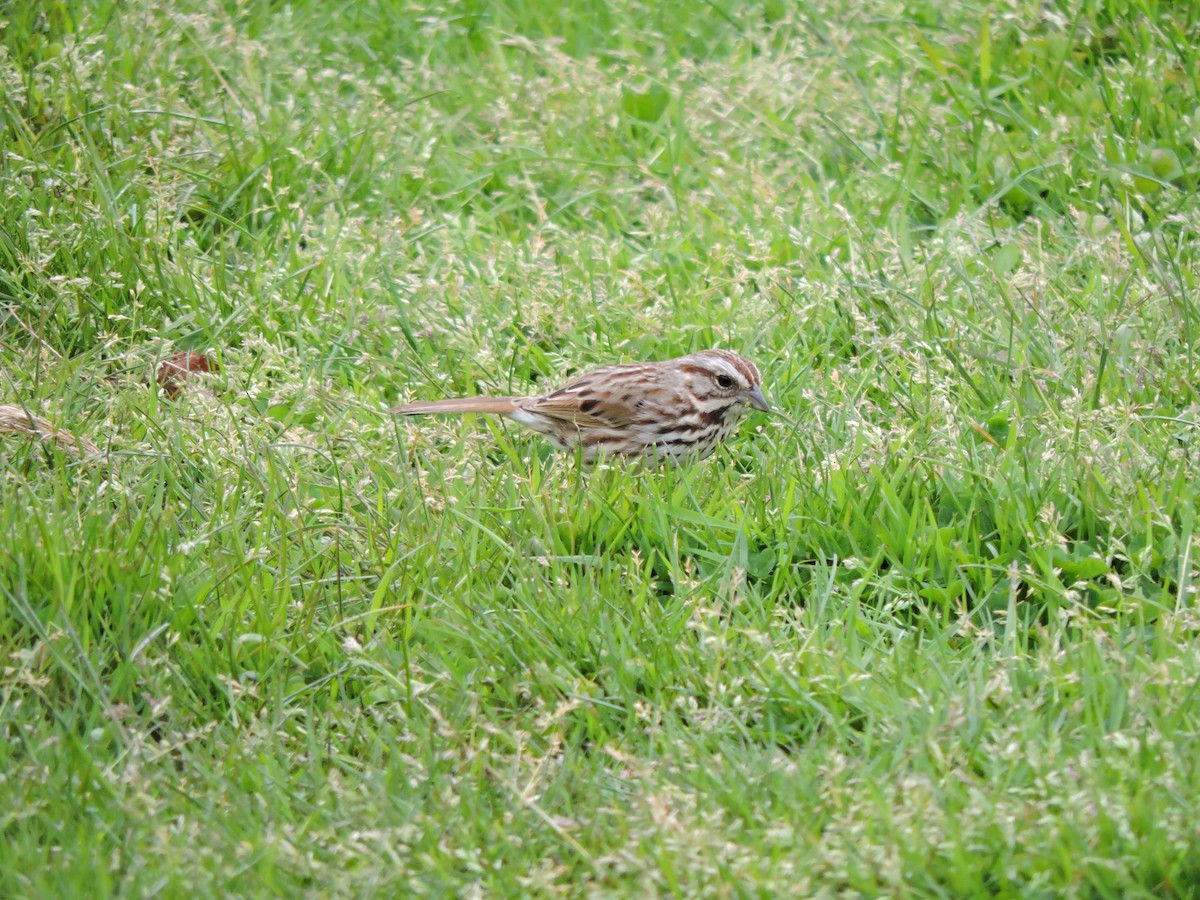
(744, 367)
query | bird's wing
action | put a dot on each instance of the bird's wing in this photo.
(587, 411)
(610, 397)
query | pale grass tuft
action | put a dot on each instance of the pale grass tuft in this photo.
(16, 420)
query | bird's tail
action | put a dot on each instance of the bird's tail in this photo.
(502, 405)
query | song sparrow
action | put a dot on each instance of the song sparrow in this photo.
(670, 410)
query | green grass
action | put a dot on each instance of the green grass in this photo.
(931, 633)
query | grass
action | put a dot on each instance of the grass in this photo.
(931, 632)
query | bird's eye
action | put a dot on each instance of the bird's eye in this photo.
(724, 381)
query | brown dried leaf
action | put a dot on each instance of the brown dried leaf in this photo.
(179, 368)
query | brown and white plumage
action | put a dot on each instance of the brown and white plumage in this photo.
(672, 409)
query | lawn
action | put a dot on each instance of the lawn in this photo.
(929, 629)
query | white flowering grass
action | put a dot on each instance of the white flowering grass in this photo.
(932, 631)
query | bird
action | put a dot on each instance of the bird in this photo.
(671, 410)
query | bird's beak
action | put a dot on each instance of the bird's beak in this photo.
(756, 399)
